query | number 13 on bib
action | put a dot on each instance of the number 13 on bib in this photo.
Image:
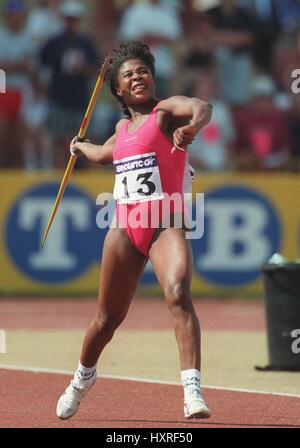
(137, 179)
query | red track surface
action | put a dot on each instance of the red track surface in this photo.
(144, 314)
(30, 401)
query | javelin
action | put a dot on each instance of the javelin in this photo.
(80, 136)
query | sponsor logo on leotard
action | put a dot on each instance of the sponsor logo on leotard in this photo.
(130, 139)
(130, 164)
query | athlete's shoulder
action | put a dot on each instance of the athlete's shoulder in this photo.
(120, 124)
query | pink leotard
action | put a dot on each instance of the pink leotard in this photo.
(146, 173)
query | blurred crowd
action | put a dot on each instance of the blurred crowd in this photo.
(243, 56)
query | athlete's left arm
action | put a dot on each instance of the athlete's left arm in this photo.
(182, 108)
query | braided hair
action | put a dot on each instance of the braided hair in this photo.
(127, 50)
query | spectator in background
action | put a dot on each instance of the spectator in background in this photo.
(16, 60)
(160, 28)
(197, 50)
(267, 32)
(186, 16)
(288, 13)
(232, 40)
(72, 58)
(212, 148)
(44, 22)
(105, 21)
(263, 140)
(287, 59)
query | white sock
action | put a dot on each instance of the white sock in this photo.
(84, 375)
(191, 384)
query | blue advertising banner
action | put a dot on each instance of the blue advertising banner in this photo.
(246, 220)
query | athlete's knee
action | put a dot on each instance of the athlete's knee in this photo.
(177, 295)
(106, 322)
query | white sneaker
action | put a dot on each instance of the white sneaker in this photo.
(69, 401)
(196, 408)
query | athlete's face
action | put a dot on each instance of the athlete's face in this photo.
(135, 82)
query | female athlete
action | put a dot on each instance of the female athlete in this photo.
(148, 152)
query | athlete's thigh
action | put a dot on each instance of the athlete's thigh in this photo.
(121, 268)
(171, 257)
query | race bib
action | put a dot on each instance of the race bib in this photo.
(137, 179)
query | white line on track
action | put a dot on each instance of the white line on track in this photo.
(143, 380)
